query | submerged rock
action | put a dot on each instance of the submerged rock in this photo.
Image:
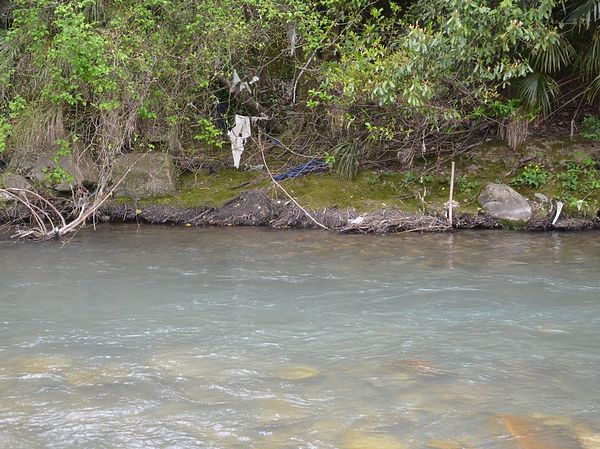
(533, 433)
(503, 202)
(587, 437)
(37, 365)
(151, 174)
(446, 444)
(280, 411)
(362, 440)
(297, 373)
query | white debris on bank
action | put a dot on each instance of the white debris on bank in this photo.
(238, 135)
(237, 85)
(559, 208)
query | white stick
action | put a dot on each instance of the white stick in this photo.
(450, 205)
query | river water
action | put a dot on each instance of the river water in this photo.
(250, 338)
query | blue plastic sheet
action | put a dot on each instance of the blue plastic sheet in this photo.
(312, 166)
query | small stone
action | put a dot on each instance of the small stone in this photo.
(541, 198)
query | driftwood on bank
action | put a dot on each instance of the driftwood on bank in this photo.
(41, 219)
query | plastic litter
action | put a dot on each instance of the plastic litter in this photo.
(237, 85)
(238, 135)
(312, 166)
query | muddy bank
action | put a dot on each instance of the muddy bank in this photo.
(257, 208)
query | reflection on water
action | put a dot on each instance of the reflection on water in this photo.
(248, 338)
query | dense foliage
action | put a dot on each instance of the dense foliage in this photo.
(359, 80)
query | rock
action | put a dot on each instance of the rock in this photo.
(541, 198)
(297, 373)
(362, 440)
(587, 438)
(38, 365)
(585, 435)
(78, 165)
(445, 444)
(420, 366)
(532, 433)
(501, 201)
(152, 174)
(13, 181)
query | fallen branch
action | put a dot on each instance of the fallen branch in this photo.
(46, 228)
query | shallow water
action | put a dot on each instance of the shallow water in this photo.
(249, 338)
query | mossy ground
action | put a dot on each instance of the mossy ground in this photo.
(423, 187)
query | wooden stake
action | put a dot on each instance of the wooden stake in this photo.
(450, 208)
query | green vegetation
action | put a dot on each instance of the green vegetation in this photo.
(58, 174)
(590, 128)
(373, 87)
(376, 78)
(532, 176)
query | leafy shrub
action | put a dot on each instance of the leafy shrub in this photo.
(5, 129)
(532, 176)
(467, 186)
(581, 177)
(590, 128)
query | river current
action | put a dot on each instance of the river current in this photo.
(154, 337)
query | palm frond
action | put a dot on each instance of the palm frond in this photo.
(584, 12)
(537, 91)
(555, 55)
(589, 60)
(346, 160)
(594, 89)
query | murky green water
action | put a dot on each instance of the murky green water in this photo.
(246, 338)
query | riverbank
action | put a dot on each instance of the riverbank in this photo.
(548, 173)
(256, 208)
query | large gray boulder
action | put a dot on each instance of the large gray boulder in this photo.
(501, 201)
(78, 166)
(79, 169)
(12, 181)
(152, 174)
